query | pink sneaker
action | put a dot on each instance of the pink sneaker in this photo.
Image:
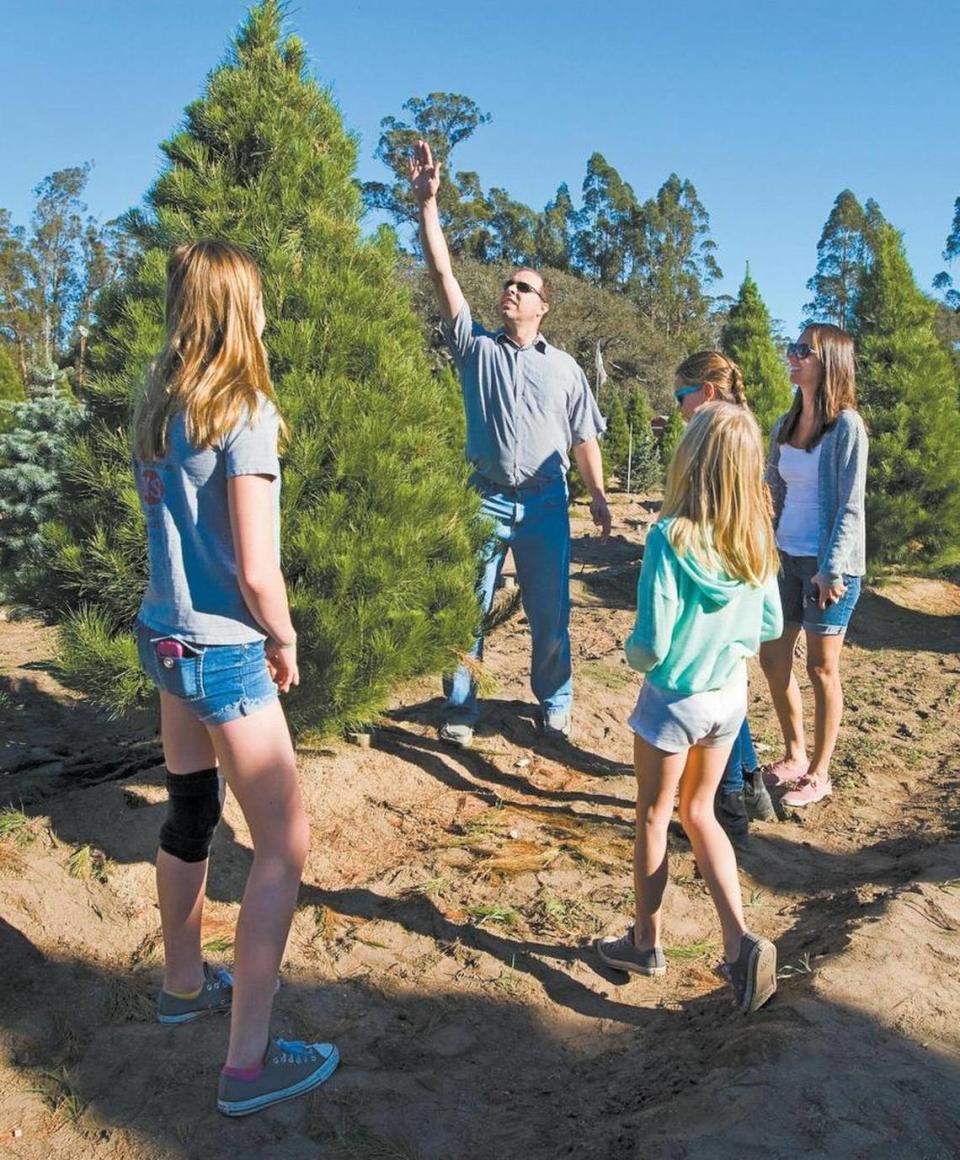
(806, 792)
(782, 774)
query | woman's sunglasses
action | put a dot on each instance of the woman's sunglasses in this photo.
(799, 350)
(681, 392)
(523, 287)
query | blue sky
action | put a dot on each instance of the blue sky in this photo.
(771, 109)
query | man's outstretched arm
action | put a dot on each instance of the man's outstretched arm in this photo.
(425, 181)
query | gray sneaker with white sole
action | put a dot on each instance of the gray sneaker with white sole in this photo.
(290, 1068)
(754, 975)
(622, 954)
(216, 997)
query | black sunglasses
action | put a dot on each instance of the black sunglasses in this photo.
(799, 350)
(523, 287)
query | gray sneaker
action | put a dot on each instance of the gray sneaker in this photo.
(290, 1069)
(754, 975)
(456, 733)
(216, 996)
(622, 954)
(756, 797)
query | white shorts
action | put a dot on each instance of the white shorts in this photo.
(675, 721)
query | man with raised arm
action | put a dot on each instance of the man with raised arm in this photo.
(526, 404)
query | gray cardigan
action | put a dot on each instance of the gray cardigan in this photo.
(842, 480)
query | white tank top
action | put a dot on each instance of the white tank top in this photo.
(798, 532)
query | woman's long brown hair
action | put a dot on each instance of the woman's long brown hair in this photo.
(838, 382)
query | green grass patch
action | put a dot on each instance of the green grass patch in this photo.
(15, 826)
(694, 950)
(495, 912)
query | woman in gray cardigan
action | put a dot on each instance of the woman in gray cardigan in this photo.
(816, 472)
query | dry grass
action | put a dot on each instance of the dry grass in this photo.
(520, 858)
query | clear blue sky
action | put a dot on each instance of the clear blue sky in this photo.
(770, 108)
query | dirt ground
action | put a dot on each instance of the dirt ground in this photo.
(444, 931)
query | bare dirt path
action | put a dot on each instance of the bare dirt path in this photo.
(448, 908)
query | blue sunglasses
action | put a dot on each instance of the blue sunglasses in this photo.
(681, 392)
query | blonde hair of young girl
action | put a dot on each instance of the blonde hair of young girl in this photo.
(213, 365)
(717, 497)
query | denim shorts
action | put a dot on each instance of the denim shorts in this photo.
(798, 595)
(219, 682)
(673, 721)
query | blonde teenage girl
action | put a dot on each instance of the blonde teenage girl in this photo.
(706, 598)
(709, 376)
(215, 636)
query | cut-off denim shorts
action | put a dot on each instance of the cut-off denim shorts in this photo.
(798, 595)
(220, 682)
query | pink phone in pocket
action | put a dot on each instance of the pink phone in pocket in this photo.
(170, 648)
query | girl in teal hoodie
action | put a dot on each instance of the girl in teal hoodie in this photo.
(706, 599)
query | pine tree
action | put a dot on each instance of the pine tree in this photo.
(34, 437)
(11, 388)
(909, 400)
(616, 439)
(842, 255)
(670, 439)
(646, 470)
(747, 339)
(379, 535)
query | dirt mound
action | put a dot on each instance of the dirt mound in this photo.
(446, 920)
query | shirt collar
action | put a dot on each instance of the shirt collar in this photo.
(539, 343)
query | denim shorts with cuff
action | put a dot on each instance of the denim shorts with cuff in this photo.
(798, 596)
(220, 682)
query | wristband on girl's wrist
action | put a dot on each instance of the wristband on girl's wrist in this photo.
(286, 644)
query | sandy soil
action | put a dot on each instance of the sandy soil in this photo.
(444, 929)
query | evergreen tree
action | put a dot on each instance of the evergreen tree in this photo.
(842, 257)
(909, 399)
(11, 388)
(34, 438)
(553, 234)
(645, 468)
(603, 238)
(670, 439)
(747, 339)
(379, 536)
(673, 259)
(616, 439)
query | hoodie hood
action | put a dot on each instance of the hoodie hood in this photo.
(718, 588)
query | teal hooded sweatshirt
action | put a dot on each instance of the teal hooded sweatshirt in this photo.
(694, 628)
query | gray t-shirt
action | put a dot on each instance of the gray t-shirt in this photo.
(525, 406)
(193, 590)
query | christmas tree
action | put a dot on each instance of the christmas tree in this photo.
(747, 339)
(379, 528)
(908, 394)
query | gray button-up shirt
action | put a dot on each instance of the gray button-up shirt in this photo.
(526, 406)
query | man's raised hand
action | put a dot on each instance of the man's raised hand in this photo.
(424, 173)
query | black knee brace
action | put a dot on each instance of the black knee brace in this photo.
(194, 810)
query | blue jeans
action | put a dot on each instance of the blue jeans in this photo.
(218, 682)
(743, 756)
(534, 523)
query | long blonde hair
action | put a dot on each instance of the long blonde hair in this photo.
(717, 498)
(713, 367)
(837, 390)
(213, 366)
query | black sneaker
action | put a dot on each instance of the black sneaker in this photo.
(754, 975)
(731, 812)
(756, 797)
